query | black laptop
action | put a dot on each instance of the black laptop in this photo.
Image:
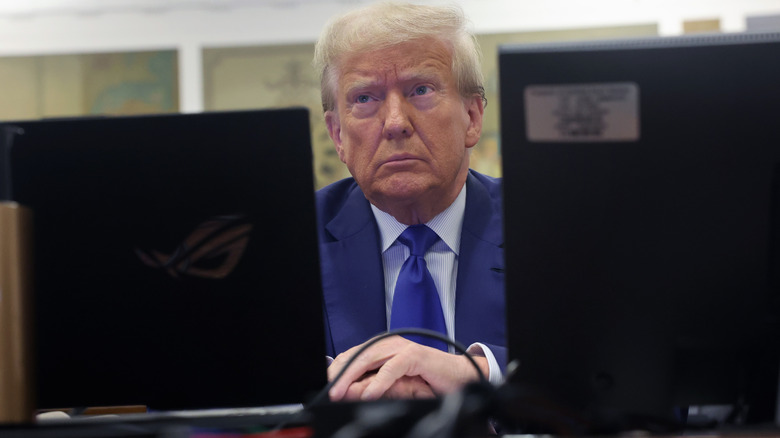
(175, 259)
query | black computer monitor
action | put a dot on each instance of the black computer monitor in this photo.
(176, 261)
(642, 218)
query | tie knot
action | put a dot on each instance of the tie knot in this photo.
(418, 238)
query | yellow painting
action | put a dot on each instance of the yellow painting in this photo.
(35, 87)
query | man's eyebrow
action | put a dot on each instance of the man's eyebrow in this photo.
(426, 75)
(356, 80)
(360, 83)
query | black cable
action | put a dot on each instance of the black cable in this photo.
(441, 422)
(323, 394)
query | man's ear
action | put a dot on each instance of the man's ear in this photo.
(475, 108)
(334, 130)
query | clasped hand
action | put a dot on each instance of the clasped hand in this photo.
(399, 368)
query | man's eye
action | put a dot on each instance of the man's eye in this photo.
(422, 89)
(363, 98)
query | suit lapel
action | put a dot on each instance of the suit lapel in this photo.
(480, 286)
(353, 277)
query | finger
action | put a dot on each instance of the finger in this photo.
(335, 367)
(340, 361)
(387, 375)
(355, 390)
(371, 360)
(423, 391)
(409, 387)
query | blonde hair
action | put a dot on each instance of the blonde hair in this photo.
(387, 24)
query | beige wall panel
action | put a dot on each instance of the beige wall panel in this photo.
(701, 26)
(62, 88)
(19, 88)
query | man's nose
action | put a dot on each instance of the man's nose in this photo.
(396, 114)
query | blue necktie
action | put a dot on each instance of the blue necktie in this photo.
(416, 303)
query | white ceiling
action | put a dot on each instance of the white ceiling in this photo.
(37, 8)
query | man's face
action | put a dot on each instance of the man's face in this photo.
(401, 126)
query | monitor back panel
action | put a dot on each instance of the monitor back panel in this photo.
(642, 220)
(175, 259)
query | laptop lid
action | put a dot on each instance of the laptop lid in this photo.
(175, 259)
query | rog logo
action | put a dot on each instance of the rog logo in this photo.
(212, 250)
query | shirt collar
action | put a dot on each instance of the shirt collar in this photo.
(446, 224)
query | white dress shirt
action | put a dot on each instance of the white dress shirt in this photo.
(442, 261)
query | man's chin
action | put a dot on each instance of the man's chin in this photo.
(403, 189)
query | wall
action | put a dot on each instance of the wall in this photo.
(255, 54)
(189, 29)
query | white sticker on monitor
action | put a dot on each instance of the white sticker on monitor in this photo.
(582, 112)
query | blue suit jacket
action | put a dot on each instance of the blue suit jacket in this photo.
(353, 279)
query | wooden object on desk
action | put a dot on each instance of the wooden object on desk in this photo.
(115, 410)
(16, 363)
(99, 410)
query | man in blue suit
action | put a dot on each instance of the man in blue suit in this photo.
(403, 99)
